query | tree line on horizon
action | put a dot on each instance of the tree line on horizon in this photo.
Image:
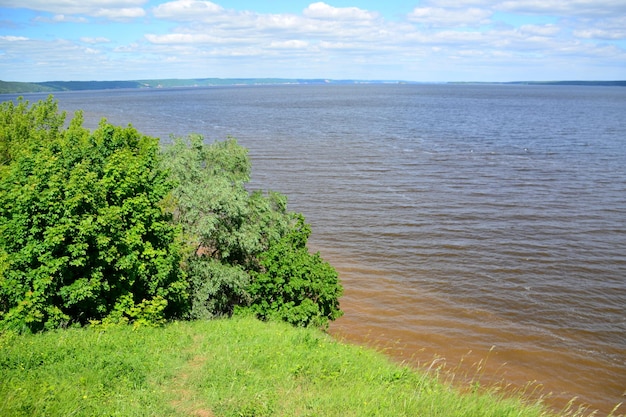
(10, 87)
(107, 226)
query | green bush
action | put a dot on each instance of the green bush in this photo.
(294, 285)
(216, 287)
(105, 226)
(82, 230)
(245, 249)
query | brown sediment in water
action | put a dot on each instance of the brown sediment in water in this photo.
(466, 347)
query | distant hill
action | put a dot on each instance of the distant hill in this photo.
(573, 82)
(13, 87)
(584, 83)
(53, 86)
(89, 85)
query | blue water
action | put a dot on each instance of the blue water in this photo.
(460, 217)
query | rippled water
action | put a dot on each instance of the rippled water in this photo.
(466, 221)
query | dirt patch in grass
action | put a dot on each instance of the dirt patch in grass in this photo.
(185, 400)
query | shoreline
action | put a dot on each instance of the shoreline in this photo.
(431, 343)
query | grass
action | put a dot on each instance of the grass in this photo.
(238, 367)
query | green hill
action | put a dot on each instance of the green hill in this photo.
(16, 88)
(52, 86)
(89, 85)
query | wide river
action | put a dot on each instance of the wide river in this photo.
(476, 228)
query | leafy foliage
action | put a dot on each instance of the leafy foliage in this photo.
(214, 211)
(295, 285)
(216, 288)
(217, 213)
(246, 249)
(104, 226)
(82, 232)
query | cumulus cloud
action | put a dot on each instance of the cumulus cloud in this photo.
(13, 38)
(543, 7)
(204, 22)
(94, 41)
(181, 38)
(61, 18)
(290, 44)
(123, 13)
(50, 60)
(610, 28)
(540, 30)
(192, 35)
(115, 9)
(601, 34)
(460, 30)
(271, 22)
(440, 17)
(186, 10)
(132, 48)
(321, 10)
(564, 7)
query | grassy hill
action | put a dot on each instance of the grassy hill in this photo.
(237, 367)
(16, 88)
(53, 86)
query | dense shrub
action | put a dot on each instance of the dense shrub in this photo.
(247, 252)
(294, 285)
(106, 226)
(82, 232)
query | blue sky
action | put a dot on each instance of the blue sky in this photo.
(413, 40)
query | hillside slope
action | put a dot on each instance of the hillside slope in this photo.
(238, 367)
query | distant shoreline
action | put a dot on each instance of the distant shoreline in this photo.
(9, 87)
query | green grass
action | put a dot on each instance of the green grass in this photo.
(238, 367)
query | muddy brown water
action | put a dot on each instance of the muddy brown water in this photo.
(476, 226)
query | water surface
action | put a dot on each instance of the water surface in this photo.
(466, 221)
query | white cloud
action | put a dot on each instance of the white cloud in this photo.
(123, 13)
(610, 28)
(181, 38)
(61, 18)
(440, 17)
(132, 48)
(541, 7)
(13, 38)
(59, 59)
(187, 38)
(271, 22)
(321, 10)
(115, 9)
(355, 38)
(203, 22)
(564, 7)
(90, 40)
(187, 10)
(290, 44)
(601, 34)
(540, 30)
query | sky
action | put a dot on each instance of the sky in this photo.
(411, 40)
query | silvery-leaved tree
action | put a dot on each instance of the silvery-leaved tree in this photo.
(239, 243)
